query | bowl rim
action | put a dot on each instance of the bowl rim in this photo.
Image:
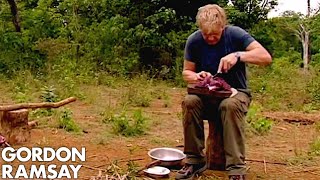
(165, 171)
(166, 148)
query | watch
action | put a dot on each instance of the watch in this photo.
(238, 56)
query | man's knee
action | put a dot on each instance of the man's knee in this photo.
(191, 101)
(229, 104)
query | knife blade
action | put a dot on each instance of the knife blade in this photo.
(215, 75)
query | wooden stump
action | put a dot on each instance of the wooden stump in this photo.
(214, 148)
(14, 125)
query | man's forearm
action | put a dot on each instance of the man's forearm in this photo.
(256, 56)
(189, 76)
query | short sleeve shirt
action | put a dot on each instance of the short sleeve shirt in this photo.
(207, 57)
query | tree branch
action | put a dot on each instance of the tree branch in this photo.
(37, 105)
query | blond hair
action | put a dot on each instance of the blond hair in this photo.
(211, 16)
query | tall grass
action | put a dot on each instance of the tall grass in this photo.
(285, 86)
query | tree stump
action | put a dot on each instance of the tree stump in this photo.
(214, 148)
(14, 125)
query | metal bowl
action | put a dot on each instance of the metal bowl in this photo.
(166, 154)
(157, 170)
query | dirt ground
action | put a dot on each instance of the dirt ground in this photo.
(287, 143)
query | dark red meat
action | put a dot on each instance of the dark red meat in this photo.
(214, 84)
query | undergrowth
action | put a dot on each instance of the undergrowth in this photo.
(127, 124)
(256, 121)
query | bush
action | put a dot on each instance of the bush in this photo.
(282, 86)
(258, 124)
(315, 147)
(67, 123)
(126, 125)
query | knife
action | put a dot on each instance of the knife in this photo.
(217, 74)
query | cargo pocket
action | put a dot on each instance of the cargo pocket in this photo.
(244, 100)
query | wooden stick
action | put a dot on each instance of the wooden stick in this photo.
(268, 162)
(122, 160)
(94, 168)
(37, 105)
(127, 160)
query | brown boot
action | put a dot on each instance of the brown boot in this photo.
(189, 171)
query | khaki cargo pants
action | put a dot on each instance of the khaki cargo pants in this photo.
(228, 114)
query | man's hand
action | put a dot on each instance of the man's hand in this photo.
(201, 75)
(227, 62)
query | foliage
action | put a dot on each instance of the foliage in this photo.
(276, 36)
(246, 13)
(48, 94)
(70, 43)
(262, 125)
(120, 37)
(115, 171)
(289, 88)
(67, 123)
(315, 147)
(139, 91)
(256, 121)
(127, 125)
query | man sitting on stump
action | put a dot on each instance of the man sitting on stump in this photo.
(223, 49)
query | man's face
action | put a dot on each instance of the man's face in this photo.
(212, 37)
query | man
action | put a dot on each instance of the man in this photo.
(218, 48)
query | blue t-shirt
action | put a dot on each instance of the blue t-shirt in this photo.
(207, 57)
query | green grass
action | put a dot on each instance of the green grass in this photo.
(284, 86)
(315, 147)
(257, 123)
(67, 123)
(126, 124)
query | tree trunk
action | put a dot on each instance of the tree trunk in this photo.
(305, 44)
(14, 126)
(214, 148)
(15, 15)
(304, 35)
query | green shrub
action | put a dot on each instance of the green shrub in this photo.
(38, 113)
(262, 125)
(283, 86)
(126, 125)
(257, 123)
(48, 94)
(315, 147)
(138, 91)
(67, 123)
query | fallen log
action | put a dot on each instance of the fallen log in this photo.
(37, 105)
(14, 119)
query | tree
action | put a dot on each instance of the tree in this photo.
(303, 27)
(247, 13)
(277, 37)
